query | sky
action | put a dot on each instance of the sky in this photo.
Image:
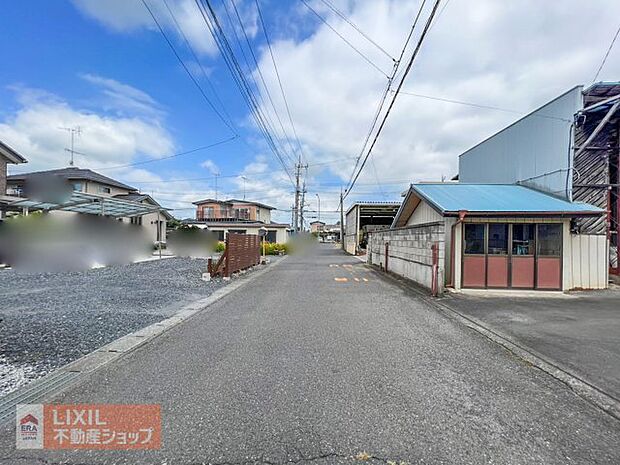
(169, 119)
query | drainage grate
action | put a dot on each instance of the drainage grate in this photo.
(37, 391)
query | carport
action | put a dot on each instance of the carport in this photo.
(365, 217)
(90, 204)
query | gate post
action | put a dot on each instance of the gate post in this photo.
(387, 249)
(435, 269)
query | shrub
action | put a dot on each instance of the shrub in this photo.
(273, 248)
(220, 247)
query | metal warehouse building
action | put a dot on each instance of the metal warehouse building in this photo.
(537, 205)
(568, 148)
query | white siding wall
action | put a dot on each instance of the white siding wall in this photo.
(424, 213)
(585, 261)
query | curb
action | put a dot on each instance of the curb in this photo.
(579, 386)
(70, 374)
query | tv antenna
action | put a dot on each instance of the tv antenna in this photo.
(73, 131)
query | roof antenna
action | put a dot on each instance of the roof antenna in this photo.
(73, 131)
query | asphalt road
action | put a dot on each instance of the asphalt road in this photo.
(301, 367)
(579, 331)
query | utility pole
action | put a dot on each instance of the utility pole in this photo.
(341, 221)
(298, 217)
(296, 207)
(215, 176)
(244, 178)
(302, 204)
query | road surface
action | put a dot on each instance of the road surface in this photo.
(321, 360)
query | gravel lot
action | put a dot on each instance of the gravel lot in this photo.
(48, 320)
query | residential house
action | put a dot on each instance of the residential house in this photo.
(94, 193)
(316, 227)
(326, 232)
(7, 156)
(238, 216)
(365, 217)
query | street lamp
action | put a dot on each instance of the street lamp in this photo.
(319, 199)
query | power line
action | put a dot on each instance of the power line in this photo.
(275, 67)
(386, 91)
(260, 74)
(611, 45)
(324, 21)
(210, 18)
(477, 105)
(238, 175)
(191, 76)
(195, 55)
(400, 84)
(354, 26)
(204, 147)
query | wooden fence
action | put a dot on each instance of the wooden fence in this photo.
(242, 251)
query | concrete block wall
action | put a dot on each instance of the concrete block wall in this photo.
(409, 251)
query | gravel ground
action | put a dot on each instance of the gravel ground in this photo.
(48, 320)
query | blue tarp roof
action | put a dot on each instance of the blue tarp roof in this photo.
(497, 198)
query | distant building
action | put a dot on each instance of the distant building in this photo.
(326, 232)
(90, 192)
(7, 155)
(365, 217)
(238, 216)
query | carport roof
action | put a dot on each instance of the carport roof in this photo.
(450, 198)
(93, 204)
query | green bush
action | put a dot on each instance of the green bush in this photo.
(220, 247)
(273, 248)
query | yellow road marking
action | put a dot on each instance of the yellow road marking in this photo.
(341, 280)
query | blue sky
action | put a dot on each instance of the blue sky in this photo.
(104, 66)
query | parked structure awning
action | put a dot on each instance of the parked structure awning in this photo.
(91, 204)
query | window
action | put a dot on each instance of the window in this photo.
(271, 236)
(474, 239)
(498, 239)
(523, 239)
(77, 186)
(104, 190)
(207, 212)
(237, 231)
(242, 213)
(220, 235)
(550, 240)
(137, 220)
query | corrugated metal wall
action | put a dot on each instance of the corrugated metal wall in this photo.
(533, 150)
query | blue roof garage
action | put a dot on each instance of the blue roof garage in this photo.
(485, 236)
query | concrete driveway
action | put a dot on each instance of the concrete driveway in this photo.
(579, 331)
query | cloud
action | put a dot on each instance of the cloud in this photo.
(127, 16)
(107, 140)
(513, 54)
(211, 167)
(124, 98)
